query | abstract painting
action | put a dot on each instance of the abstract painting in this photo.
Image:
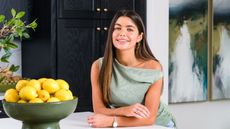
(188, 50)
(221, 50)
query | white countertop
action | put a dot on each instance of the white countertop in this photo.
(74, 121)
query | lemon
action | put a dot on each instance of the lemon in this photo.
(28, 93)
(20, 84)
(34, 83)
(43, 95)
(11, 95)
(50, 85)
(70, 92)
(22, 101)
(53, 99)
(62, 84)
(36, 100)
(41, 80)
(64, 95)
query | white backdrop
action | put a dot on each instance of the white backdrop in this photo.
(157, 34)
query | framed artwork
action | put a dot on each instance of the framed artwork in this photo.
(221, 50)
(188, 50)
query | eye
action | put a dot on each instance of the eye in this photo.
(129, 29)
(117, 28)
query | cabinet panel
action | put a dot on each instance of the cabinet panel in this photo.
(78, 8)
(103, 36)
(2, 113)
(76, 50)
(109, 7)
(80, 37)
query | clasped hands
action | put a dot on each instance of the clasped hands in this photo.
(136, 110)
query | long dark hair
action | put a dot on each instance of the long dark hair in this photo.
(142, 51)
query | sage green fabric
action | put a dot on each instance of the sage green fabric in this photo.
(129, 86)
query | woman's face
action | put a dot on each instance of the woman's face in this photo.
(125, 34)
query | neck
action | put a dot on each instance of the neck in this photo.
(127, 58)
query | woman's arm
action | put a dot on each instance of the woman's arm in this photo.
(100, 107)
(152, 102)
(126, 116)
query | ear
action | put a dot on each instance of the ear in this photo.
(140, 37)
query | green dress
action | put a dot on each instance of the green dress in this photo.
(129, 86)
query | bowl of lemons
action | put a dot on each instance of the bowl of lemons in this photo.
(40, 104)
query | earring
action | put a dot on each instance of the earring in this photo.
(138, 45)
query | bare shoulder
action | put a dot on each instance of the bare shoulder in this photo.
(152, 64)
(95, 65)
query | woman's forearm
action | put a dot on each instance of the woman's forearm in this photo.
(105, 111)
(136, 110)
(111, 111)
(132, 121)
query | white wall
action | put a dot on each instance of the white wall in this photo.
(157, 34)
(199, 115)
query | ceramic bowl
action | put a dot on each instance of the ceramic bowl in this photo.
(40, 115)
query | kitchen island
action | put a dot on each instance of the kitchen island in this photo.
(74, 121)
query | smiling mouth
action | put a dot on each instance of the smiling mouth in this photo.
(122, 40)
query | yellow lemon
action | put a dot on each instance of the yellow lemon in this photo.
(63, 95)
(50, 85)
(34, 83)
(41, 80)
(36, 100)
(28, 93)
(22, 101)
(62, 84)
(70, 92)
(43, 95)
(11, 95)
(53, 99)
(20, 84)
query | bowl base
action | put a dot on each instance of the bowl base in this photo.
(48, 125)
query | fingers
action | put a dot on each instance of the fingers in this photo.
(140, 111)
(90, 121)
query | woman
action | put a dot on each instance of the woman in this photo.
(127, 82)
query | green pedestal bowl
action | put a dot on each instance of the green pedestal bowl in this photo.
(40, 115)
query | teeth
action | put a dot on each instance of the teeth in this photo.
(121, 40)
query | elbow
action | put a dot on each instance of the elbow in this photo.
(97, 110)
(151, 121)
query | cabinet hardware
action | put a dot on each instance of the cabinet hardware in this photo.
(98, 28)
(98, 9)
(105, 9)
(105, 28)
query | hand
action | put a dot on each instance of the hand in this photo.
(136, 110)
(100, 121)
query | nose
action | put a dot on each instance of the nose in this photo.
(122, 32)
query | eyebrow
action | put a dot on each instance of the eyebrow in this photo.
(125, 26)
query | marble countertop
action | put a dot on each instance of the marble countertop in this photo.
(73, 121)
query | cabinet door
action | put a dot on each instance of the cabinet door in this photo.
(77, 48)
(103, 35)
(78, 8)
(109, 7)
(2, 113)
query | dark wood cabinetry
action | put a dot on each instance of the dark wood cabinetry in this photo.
(2, 113)
(81, 30)
(70, 36)
(76, 49)
(97, 9)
